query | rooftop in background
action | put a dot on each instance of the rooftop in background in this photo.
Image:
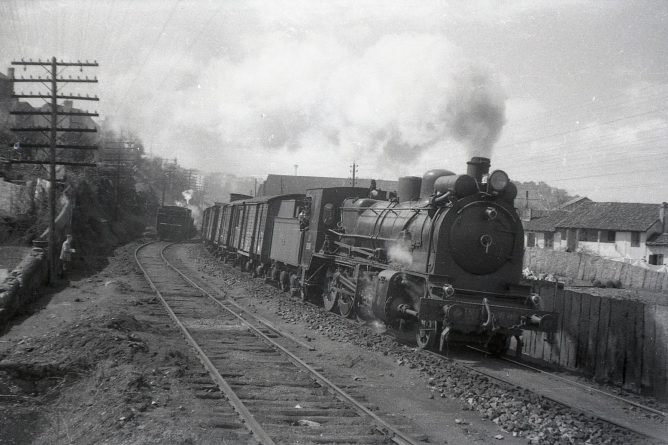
(660, 239)
(546, 223)
(618, 216)
(575, 202)
(285, 184)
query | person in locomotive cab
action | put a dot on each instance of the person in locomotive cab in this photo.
(66, 252)
(303, 218)
(373, 190)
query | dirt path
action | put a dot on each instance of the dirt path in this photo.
(99, 362)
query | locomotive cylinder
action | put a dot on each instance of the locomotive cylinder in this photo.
(478, 167)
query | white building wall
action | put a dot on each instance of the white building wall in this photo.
(621, 248)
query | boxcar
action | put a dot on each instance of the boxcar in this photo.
(246, 229)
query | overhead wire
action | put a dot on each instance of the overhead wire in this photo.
(14, 24)
(199, 34)
(149, 54)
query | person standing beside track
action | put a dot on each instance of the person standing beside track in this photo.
(66, 252)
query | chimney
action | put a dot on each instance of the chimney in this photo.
(478, 167)
(662, 216)
(67, 105)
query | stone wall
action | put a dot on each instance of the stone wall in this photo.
(24, 282)
(580, 266)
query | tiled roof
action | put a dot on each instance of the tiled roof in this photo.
(546, 223)
(659, 239)
(573, 203)
(619, 216)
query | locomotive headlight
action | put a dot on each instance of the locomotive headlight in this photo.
(498, 181)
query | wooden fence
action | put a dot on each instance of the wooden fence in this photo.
(616, 341)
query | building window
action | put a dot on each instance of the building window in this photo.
(607, 236)
(657, 260)
(635, 239)
(549, 240)
(531, 239)
(588, 235)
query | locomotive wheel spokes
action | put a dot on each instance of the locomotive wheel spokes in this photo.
(330, 291)
(426, 334)
(346, 302)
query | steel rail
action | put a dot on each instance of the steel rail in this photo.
(481, 372)
(582, 385)
(253, 425)
(399, 437)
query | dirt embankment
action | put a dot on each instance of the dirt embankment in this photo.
(98, 362)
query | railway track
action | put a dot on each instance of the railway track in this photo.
(578, 397)
(277, 396)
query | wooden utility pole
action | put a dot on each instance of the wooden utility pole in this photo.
(353, 170)
(53, 129)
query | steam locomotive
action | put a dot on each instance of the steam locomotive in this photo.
(442, 259)
(174, 223)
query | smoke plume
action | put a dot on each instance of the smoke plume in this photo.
(476, 111)
(319, 98)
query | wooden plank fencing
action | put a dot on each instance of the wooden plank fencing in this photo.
(622, 342)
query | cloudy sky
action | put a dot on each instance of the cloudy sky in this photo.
(572, 93)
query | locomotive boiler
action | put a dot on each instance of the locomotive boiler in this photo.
(442, 259)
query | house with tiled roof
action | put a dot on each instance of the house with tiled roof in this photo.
(540, 228)
(611, 229)
(632, 231)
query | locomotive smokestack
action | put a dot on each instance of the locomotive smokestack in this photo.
(478, 167)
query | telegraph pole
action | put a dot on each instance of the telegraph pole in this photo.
(353, 169)
(53, 130)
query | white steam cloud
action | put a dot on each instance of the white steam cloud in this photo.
(399, 255)
(187, 195)
(393, 99)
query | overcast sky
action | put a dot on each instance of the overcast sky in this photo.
(572, 93)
